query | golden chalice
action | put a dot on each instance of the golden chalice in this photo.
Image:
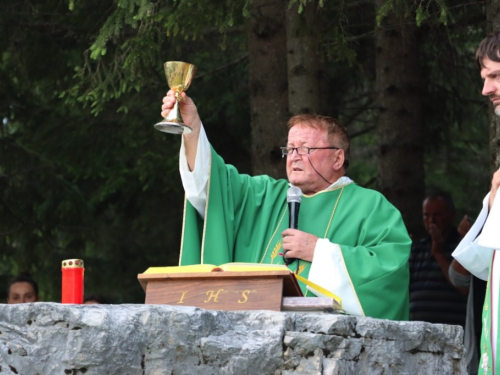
(179, 76)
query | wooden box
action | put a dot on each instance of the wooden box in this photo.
(226, 290)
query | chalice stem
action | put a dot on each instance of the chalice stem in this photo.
(175, 114)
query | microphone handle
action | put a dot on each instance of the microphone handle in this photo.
(293, 220)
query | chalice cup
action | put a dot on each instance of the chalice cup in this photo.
(179, 76)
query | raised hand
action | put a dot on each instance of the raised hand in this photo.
(437, 240)
(188, 110)
(464, 226)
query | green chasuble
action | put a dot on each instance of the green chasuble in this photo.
(488, 364)
(245, 216)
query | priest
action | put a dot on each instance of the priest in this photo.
(350, 240)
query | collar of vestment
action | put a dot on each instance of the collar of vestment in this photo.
(342, 181)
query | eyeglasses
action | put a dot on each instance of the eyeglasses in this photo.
(304, 150)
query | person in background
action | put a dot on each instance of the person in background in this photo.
(95, 299)
(433, 298)
(22, 289)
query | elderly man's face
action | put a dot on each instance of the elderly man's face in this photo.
(436, 212)
(327, 162)
(490, 73)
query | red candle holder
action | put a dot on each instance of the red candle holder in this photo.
(72, 281)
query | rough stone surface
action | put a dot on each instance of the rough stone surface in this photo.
(50, 338)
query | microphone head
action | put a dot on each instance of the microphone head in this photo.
(294, 194)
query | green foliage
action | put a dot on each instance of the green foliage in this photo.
(422, 11)
(103, 191)
(133, 13)
(97, 183)
(304, 3)
(455, 115)
(129, 44)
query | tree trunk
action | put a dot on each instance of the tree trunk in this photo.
(268, 86)
(304, 63)
(400, 136)
(493, 22)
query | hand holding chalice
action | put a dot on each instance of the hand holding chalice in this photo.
(179, 76)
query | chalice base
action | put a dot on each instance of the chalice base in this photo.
(172, 127)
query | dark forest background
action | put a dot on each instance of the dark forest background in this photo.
(83, 173)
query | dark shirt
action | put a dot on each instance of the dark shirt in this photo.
(432, 298)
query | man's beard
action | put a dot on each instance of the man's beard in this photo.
(497, 110)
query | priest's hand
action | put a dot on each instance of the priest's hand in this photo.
(298, 244)
(495, 183)
(189, 112)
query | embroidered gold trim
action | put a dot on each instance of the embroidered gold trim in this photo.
(350, 281)
(183, 227)
(303, 267)
(276, 249)
(206, 209)
(269, 243)
(334, 209)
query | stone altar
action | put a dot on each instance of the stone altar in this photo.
(51, 338)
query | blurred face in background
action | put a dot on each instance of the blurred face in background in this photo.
(436, 212)
(22, 292)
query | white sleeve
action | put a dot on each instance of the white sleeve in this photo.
(489, 236)
(329, 271)
(469, 253)
(195, 182)
(474, 258)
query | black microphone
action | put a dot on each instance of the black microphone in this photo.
(293, 197)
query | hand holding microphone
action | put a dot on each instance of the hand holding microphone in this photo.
(298, 244)
(293, 197)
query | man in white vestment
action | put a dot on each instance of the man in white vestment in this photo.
(477, 251)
